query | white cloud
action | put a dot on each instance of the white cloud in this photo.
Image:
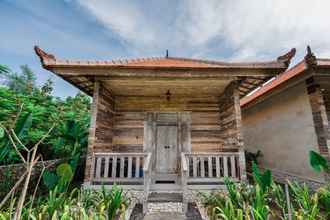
(250, 29)
(258, 28)
(127, 20)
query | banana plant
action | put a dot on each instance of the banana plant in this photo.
(264, 180)
(318, 162)
(7, 153)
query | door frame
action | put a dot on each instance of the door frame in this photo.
(183, 134)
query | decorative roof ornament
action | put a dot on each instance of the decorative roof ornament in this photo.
(166, 56)
(286, 58)
(310, 58)
(45, 58)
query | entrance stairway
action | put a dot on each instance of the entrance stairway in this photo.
(165, 205)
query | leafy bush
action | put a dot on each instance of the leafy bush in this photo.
(38, 110)
(267, 200)
(78, 204)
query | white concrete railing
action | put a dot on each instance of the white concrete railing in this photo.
(120, 167)
(202, 167)
(147, 181)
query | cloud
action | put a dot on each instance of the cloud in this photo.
(127, 20)
(250, 29)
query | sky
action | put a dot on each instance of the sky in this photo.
(227, 30)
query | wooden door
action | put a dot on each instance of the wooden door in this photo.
(166, 149)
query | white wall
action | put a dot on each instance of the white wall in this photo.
(282, 127)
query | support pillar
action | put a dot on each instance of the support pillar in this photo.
(92, 132)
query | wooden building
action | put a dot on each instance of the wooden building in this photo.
(165, 123)
(293, 113)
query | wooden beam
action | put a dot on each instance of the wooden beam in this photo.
(170, 73)
(252, 84)
(245, 87)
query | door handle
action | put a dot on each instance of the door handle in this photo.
(166, 147)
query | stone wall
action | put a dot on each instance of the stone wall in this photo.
(12, 173)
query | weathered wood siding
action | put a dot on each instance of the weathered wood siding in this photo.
(214, 123)
(104, 132)
(230, 117)
(128, 132)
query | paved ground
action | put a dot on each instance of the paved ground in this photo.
(164, 216)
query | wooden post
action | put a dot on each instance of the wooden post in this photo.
(91, 136)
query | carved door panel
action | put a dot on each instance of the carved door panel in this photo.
(166, 147)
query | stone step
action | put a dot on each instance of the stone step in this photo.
(165, 207)
(164, 216)
(165, 197)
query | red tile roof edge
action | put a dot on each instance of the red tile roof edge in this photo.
(280, 79)
(48, 61)
(309, 61)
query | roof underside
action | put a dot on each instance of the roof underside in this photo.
(133, 75)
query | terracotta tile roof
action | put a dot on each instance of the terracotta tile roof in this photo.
(281, 78)
(309, 61)
(49, 61)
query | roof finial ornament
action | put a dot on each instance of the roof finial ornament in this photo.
(286, 58)
(45, 58)
(310, 58)
(166, 54)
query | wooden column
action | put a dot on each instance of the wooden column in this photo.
(231, 123)
(91, 137)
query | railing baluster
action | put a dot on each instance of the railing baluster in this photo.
(210, 166)
(217, 166)
(233, 166)
(137, 167)
(106, 168)
(129, 167)
(202, 166)
(194, 161)
(98, 167)
(122, 167)
(225, 166)
(114, 167)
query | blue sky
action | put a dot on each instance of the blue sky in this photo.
(235, 30)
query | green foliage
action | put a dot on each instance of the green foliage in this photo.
(324, 199)
(7, 153)
(4, 69)
(78, 204)
(50, 179)
(2, 133)
(228, 212)
(264, 180)
(6, 183)
(318, 162)
(65, 174)
(38, 112)
(242, 201)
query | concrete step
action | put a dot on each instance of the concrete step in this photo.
(164, 216)
(165, 197)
